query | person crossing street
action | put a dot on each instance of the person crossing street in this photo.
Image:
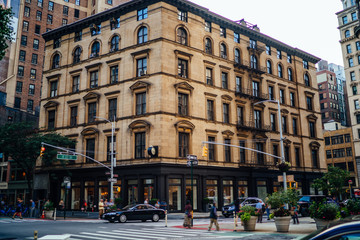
(213, 218)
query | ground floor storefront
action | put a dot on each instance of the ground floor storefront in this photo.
(170, 184)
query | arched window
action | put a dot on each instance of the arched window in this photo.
(253, 62)
(77, 54)
(237, 55)
(114, 44)
(142, 35)
(182, 36)
(347, 33)
(208, 46)
(269, 66)
(280, 71)
(306, 79)
(290, 75)
(223, 52)
(95, 49)
(55, 61)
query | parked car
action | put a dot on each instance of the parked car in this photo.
(228, 210)
(141, 212)
(348, 228)
(305, 202)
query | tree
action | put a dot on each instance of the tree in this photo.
(333, 181)
(5, 29)
(22, 143)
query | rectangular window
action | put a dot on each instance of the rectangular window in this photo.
(141, 67)
(49, 19)
(260, 156)
(351, 62)
(354, 16)
(31, 89)
(64, 22)
(25, 26)
(17, 102)
(38, 15)
(347, 138)
(344, 19)
(90, 149)
(358, 45)
(348, 48)
(242, 151)
(294, 123)
(328, 154)
(312, 129)
(51, 6)
(33, 74)
(278, 54)
(240, 115)
(76, 13)
(222, 32)
(20, 71)
(65, 10)
(327, 141)
(109, 2)
(40, 3)
(292, 99)
(182, 68)
(227, 150)
(224, 80)
(34, 58)
(51, 119)
(53, 88)
(112, 109)
(297, 157)
(354, 90)
(36, 44)
(273, 121)
(348, 152)
(238, 84)
(236, 37)
(114, 74)
(91, 112)
(256, 89)
(209, 78)
(358, 118)
(356, 104)
(37, 29)
(139, 145)
(207, 26)
(26, 12)
(23, 40)
(282, 96)
(275, 153)
(19, 86)
(287, 153)
(182, 15)
(142, 14)
(257, 119)
(75, 84)
(210, 110)
(94, 76)
(309, 103)
(183, 108)
(284, 124)
(78, 36)
(268, 50)
(211, 149)
(22, 55)
(305, 64)
(252, 43)
(314, 157)
(352, 76)
(30, 105)
(225, 112)
(73, 116)
(183, 144)
(140, 103)
(271, 93)
(289, 58)
(77, 2)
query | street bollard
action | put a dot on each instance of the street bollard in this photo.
(55, 214)
(35, 235)
(165, 218)
(234, 221)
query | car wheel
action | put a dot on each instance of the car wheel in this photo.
(155, 218)
(122, 218)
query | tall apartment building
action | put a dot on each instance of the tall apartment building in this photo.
(350, 45)
(333, 100)
(172, 74)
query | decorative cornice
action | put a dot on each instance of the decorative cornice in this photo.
(112, 93)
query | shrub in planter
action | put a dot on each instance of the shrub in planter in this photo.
(324, 211)
(49, 206)
(353, 207)
(281, 212)
(247, 211)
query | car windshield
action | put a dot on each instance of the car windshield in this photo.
(128, 206)
(305, 199)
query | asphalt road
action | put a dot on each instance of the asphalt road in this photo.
(101, 230)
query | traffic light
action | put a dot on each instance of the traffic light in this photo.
(204, 151)
(42, 151)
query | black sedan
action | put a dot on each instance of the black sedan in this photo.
(141, 212)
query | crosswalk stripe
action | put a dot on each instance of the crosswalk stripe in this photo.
(98, 238)
(180, 230)
(163, 233)
(117, 237)
(140, 232)
(128, 234)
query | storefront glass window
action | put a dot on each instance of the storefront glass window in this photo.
(212, 190)
(277, 186)
(89, 195)
(75, 195)
(261, 189)
(175, 195)
(148, 189)
(103, 190)
(117, 189)
(132, 191)
(188, 192)
(228, 193)
(242, 189)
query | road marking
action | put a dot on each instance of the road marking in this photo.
(98, 238)
(140, 232)
(126, 234)
(117, 237)
(172, 230)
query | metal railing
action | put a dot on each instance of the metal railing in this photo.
(253, 126)
(247, 65)
(250, 93)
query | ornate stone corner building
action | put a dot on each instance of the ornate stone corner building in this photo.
(174, 74)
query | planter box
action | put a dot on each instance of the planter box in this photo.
(322, 223)
(282, 223)
(250, 225)
(49, 214)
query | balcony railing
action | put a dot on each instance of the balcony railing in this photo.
(248, 66)
(253, 126)
(249, 93)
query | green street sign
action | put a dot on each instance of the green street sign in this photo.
(66, 157)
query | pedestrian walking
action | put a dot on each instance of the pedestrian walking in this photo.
(157, 204)
(237, 210)
(101, 208)
(146, 201)
(19, 208)
(61, 205)
(213, 218)
(268, 208)
(188, 215)
(295, 214)
(259, 207)
(32, 208)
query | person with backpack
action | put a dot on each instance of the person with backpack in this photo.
(213, 218)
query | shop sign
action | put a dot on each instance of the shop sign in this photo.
(289, 178)
(3, 185)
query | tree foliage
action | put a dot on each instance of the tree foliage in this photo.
(5, 29)
(333, 181)
(22, 143)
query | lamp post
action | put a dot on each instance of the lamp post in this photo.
(111, 155)
(281, 136)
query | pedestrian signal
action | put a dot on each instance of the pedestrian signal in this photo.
(204, 151)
